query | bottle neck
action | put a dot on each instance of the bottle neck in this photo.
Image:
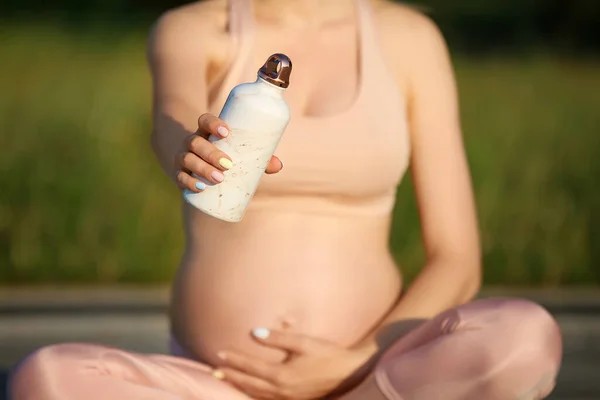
(269, 87)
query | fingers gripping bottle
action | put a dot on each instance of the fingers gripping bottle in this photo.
(257, 116)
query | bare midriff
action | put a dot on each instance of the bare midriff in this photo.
(327, 276)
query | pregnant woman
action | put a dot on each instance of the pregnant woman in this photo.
(302, 299)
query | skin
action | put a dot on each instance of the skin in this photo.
(188, 52)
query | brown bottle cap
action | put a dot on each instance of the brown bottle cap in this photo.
(277, 70)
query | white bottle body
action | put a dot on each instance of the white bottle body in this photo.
(257, 115)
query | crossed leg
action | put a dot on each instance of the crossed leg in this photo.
(498, 349)
(76, 371)
(490, 349)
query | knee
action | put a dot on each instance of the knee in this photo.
(533, 330)
(529, 353)
(33, 377)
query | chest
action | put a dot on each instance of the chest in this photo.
(326, 66)
(347, 134)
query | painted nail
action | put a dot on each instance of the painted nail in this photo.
(217, 176)
(225, 163)
(261, 333)
(220, 375)
(200, 185)
(222, 131)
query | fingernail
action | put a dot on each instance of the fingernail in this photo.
(222, 131)
(219, 375)
(261, 333)
(282, 164)
(222, 355)
(200, 185)
(225, 163)
(217, 176)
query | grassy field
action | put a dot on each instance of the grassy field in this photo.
(82, 199)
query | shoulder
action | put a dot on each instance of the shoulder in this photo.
(191, 31)
(410, 40)
(406, 25)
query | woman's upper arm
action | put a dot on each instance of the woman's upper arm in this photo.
(439, 166)
(178, 70)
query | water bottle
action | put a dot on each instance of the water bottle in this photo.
(257, 116)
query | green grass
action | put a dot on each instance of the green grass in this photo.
(83, 200)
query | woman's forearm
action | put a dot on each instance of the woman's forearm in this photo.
(178, 64)
(442, 284)
(165, 149)
(169, 139)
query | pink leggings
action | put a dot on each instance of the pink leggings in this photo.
(499, 349)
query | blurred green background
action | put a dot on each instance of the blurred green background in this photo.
(83, 200)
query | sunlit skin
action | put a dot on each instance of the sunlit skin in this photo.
(302, 299)
(188, 52)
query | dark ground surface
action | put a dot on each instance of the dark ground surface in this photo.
(136, 321)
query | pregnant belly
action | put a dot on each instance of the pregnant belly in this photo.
(333, 289)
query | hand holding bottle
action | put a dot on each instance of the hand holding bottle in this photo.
(229, 155)
(203, 159)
